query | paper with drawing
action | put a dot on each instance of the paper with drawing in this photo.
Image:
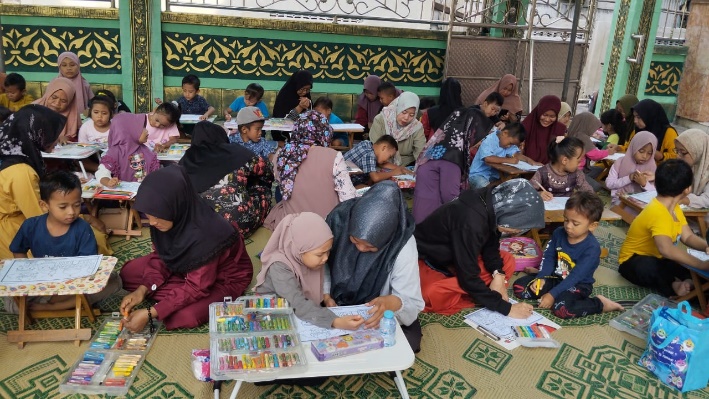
(43, 270)
(309, 332)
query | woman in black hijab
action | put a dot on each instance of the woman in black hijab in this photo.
(649, 115)
(292, 100)
(373, 259)
(198, 257)
(449, 101)
(233, 180)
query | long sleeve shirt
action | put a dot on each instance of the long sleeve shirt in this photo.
(622, 185)
(573, 263)
(409, 149)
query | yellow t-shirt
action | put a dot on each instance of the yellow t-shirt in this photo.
(654, 220)
(667, 147)
(14, 106)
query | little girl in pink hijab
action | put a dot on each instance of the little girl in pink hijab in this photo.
(70, 68)
(634, 172)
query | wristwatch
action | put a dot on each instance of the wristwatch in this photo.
(498, 273)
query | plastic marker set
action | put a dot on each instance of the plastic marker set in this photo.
(253, 338)
(112, 361)
(636, 321)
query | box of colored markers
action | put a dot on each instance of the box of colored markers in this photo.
(112, 362)
(345, 345)
(253, 338)
(636, 321)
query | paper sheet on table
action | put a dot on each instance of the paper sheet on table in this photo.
(353, 168)
(310, 332)
(701, 255)
(347, 127)
(615, 157)
(555, 204)
(524, 166)
(645, 196)
(44, 270)
(194, 118)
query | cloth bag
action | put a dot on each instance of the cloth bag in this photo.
(525, 251)
(678, 348)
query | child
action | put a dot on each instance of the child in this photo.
(251, 98)
(572, 255)
(191, 103)
(324, 106)
(59, 232)
(250, 122)
(95, 130)
(368, 105)
(649, 256)
(613, 125)
(565, 114)
(387, 93)
(368, 157)
(293, 268)
(562, 176)
(162, 126)
(15, 96)
(498, 148)
(583, 127)
(634, 172)
(70, 68)
(119, 106)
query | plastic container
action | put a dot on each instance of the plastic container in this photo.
(387, 328)
(636, 320)
(345, 345)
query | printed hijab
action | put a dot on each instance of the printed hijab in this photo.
(27, 132)
(405, 101)
(582, 127)
(81, 86)
(538, 136)
(449, 101)
(654, 117)
(513, 102)
(627, 163)
(124, 141)
(287, 97)
(211, 157)
(73, 118)
(379, 217)
(198, 234)
(518, 205)
(697, 144)
(295, 235)
(371, 84)
(627, 102)
(311, 128)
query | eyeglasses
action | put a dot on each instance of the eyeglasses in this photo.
(680, 152)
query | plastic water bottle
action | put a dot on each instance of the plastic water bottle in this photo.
(387, 328)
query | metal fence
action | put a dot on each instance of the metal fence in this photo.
(65, 3)
(672, 26)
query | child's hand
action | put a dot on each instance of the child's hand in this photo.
(227, 116)
(348, 322)
(329, 302)
(203, 117)
(546, 195)
(650, 176)
(612, 149)
(158, 101)
(112, 182)
(159, 147)
(546, 301)
(402, 170)
(83, 180)
(512, 160)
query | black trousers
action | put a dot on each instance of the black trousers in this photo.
(655, 273)
(574, 302)
(413, 334)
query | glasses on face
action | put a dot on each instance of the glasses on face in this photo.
(303, 91)
(680, 152)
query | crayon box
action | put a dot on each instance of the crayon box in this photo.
(345, 345)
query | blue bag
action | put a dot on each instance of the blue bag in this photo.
(678, 348)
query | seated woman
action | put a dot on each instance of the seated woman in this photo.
(542, 128)
(368, 104)
(462, 265)
(198, 257)
(59, 96)
(373, 259)
(692, 146)
(292, 100)
(312, 178)
(399, 121)
(449, 100)
(649, 115)
(233, 180)
(511, 110)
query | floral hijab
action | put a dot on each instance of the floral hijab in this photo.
(405, 101)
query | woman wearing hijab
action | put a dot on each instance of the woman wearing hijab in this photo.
(368, 104)
(459, 245)
(399, 121)
(635, 171)
(59, 96)
(449, 101)
(293, 99)
(70, 68)
(582, 127)
(198, 257)
(511, 110)
(231, 178)
(542, 128)
(311, 177)
(649, 115)
(692, 146)
(23, 135)
(373, 258)
(625, 105)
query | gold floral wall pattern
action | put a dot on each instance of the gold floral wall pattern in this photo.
(663, 78)
(36, 48)
(271, 59)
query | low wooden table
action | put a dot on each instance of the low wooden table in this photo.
(628, 202)
(508, 172)
(77, 287)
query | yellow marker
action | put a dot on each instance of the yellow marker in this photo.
(539, 286)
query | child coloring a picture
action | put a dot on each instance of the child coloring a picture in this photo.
(561, 177)
(252, 97)
(635, 171)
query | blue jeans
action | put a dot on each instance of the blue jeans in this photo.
(478, 181)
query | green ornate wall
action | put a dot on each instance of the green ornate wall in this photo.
(662, 83)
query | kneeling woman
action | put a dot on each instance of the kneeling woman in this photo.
(373, 259)
(198, 257)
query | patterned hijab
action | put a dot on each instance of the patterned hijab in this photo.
(26, 133)
(371, 84)
(582, 127)
(627, 165)
(518, 205)
(405, 101)
(73, 118)
(311, 128)
(697, 144)
(81, 86)
(295, 235)
(513, 102)
(379, 217)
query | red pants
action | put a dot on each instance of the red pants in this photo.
(443, 295)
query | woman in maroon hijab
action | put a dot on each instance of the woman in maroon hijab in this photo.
(542, 127)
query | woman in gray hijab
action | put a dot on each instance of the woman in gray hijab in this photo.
(459, 245)
(373, 259)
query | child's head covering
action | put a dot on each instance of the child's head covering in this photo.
(311, 128)
(652, 113)
(287, 97)
(449, 101)
(73, 118)
(582, 127)
(627, 163)
(33, 128)
(198, 234)
(513, 102)
(371, 84)
(697, 144)
(379, 217)
(565, 109)
(211, 157)
(538, 136)
(518, 205)
(295, 235)
(627, 102)
(123, 141)
(405, 101)
(81, 86)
